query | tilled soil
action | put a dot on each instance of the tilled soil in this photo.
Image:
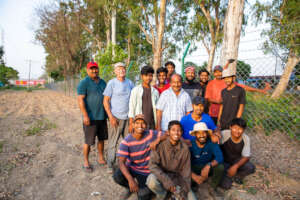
(41, 156)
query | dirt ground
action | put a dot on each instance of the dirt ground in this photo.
(40, 156)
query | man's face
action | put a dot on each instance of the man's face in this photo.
(175, 133)
(93, 72)
(236, 131)
(218, 74)
(170, 69)
(120, 72)
(162, 76)
(201, 136)
(198, 109)
(139, 126)
(203, 77)
(190, 75)
(176, 83)
(147, 78)
(228, 80)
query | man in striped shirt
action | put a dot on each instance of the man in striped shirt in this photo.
(134, 156)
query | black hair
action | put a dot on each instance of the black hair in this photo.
(238, 121)
(203, 70)
(170, 63)
(147, 70)
(161, 69)
(174, 122)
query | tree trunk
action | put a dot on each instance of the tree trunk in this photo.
(113, 30)
(128, 49)
(232, 31)
(160, 35)
(292, 61)
(211, 57)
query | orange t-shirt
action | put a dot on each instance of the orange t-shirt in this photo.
(213, 91)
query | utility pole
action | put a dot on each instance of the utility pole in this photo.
(28, 83)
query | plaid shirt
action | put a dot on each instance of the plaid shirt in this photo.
(173, 107)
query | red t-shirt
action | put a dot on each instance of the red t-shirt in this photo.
(213, 91)
(160, 90)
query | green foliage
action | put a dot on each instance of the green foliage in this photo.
(273, 114)
(1, 146)
(6, 73)
(243, 70)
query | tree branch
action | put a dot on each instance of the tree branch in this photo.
(147, 19)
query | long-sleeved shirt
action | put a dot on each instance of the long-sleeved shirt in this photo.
(171, 165)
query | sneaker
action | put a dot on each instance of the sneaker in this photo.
(238, 180)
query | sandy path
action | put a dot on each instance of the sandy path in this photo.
(47, 166)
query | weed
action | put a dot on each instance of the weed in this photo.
(1, 146)
(252, 190)
(39, 126)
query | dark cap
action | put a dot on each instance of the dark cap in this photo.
(218, 67)
(198, 100)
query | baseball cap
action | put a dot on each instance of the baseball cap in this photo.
(91, 64)
(227, 73)
(119, 64)
(201, 126)
(198, 100)
(139, 116)
(189, 68)
(218, 67)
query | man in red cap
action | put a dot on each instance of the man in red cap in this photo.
(192, 87)
(90, 97)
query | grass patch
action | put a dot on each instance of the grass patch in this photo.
(22, 88)
(1, 146)
(252, 190)
(39, 126)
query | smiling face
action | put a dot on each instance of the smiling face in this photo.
(190, 75)
(162, 76)
(229, 80)
(176, 83)
(170, 69)
(198, 109)
(175, 133)
(147, 78)
(120, 72)
(203, 77)
(218, 74)
(236, 132)
(93, 72)
(139, 126)
(201, 136)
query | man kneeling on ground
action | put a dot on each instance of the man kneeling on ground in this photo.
(236, 152)
(170, 166)
(206, 157)
(134, 155)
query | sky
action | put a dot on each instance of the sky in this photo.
(16, 29)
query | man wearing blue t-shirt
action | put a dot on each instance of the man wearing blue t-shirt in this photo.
(206, 157)
(90, 100)
(197, 116)
(116, 104)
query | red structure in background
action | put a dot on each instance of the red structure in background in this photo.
(31, 82)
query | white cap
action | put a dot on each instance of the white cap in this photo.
(227, 73)
(201, 126)
(119, 64)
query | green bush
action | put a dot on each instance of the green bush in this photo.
(281, 114)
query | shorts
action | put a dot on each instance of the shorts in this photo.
(96, 128)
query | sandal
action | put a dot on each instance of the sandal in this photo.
(87, 169)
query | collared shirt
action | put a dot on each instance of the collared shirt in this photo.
(171, 164)
(173, 107)
(136, 103)
(137, 152)
(119, 93)
(161, 90)
(93, 97)
(202, 156)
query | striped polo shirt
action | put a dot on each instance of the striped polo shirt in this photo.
(137, 152)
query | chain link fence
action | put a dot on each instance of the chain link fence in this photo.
(262, 112)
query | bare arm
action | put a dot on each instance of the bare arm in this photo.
(220, 114)
(86, 119)
(234, 168)
(106, 104)
(240, 111)
(132, 183)
(158, 118)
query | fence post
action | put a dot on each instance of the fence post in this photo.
(182, 60)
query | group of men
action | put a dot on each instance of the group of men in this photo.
(170, 136)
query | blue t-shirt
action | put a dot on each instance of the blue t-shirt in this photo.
(188, 123)
(93, 97)
(119, 93)
(201, 156)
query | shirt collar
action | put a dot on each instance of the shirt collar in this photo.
(176, 147)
